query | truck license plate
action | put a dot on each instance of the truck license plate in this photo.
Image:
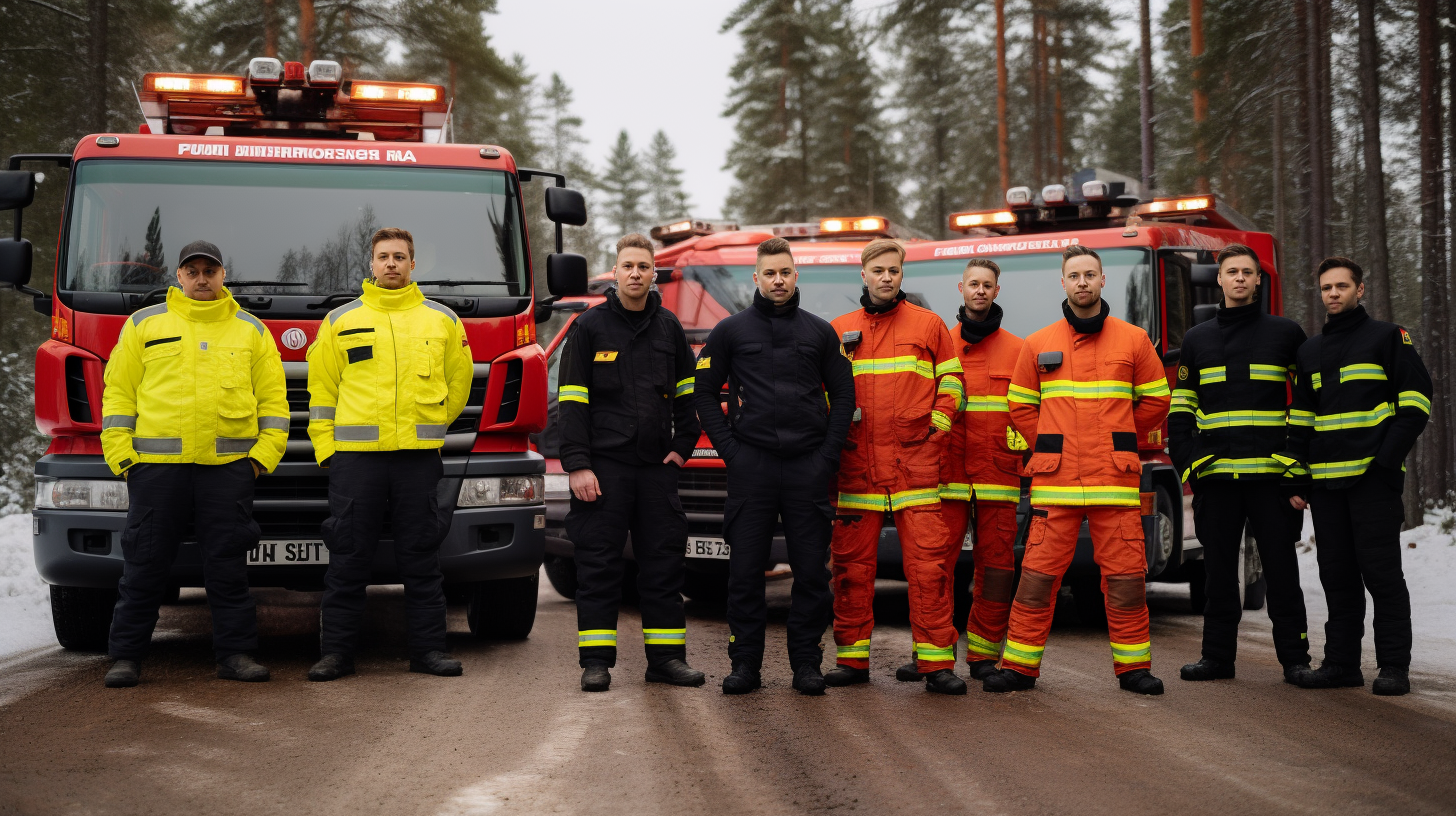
(288, 552)
(708, 548)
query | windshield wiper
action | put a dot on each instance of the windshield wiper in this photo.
(336, 296)
(233, 284)
(461, 283)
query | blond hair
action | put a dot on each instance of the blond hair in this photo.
(880, 246)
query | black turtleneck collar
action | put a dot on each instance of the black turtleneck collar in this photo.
(637, 319)
(1086, 325)
(770, 309)
(870, 307)
(974, 331)
(1345, 321)
(1238, 314)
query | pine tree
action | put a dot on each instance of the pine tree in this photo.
(666, 197)
(153, 254)
(563, 145)
(448, 45)
(624, 188)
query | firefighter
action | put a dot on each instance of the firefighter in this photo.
(627, 425)
(1361, 398)
(983, 465)
(194, 409)
(1084, 391)
(387, 374)
(791, 394)
(1226, 423)
(907, 388)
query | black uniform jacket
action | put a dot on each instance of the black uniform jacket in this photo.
(1361, 397)
(779, 363)
(1231, 396)
(626, 386)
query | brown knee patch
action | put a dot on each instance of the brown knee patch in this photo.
(1035, 590)
(1126, 591)
(997, 585)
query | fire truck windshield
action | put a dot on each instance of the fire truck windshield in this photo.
(1031, 295)
(289, 223)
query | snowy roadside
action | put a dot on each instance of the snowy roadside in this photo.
(25, 600)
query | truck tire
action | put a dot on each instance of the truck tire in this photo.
(1255, 593)
(1087, 597)
(561, 572)
(503, 609)
(82, 617)
(708, 588)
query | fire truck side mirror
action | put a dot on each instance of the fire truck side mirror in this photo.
(566, 274)
(15, 255)
(565, 206)
(17, 189)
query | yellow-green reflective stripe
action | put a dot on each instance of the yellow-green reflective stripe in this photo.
(1193, 467)
(914, 498)
(1184, 399)
(861, 649)
(929, 651)
(1131, 652)
(1229, 419)
(1354, 419)
(1023, 654)
(1152, 389)
(956, 490)
(1254, 465)
(574, 393)
(1361, 371)
(975, 644)
(950, 385)
(940, 420)
(951, 366)
(1414, 399)
(1301, 418)
(664, 637)
(986, 403)
(1272, 373)
(1091, 389)
(1315, 380)
(864, 501)
(1025, 396)
(596, 637)
(992, 492)
(1216, 374)
(895, 365)
(684, 387)
(1077, 496)
(1336, 470)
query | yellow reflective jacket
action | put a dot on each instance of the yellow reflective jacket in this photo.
(196, 381)
(388, 371)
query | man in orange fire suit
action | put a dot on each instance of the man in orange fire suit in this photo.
(1084, 391)
(907, 388)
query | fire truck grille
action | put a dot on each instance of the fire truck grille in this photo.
(702, 490)
(466, 423)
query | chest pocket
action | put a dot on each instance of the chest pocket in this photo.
(428, 363)
(235, 376)
(160, 349)
(1117, 367)
(914, 393)
(664, 358)
(606, 370)
(357, 344)
(806, 368)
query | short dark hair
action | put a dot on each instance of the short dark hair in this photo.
(1077, 250)
(1236, 251)
(393, 234)
(1338, 262)
(983, 263)
(635, 240)
(774, 246)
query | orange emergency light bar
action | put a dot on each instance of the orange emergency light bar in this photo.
(967, 221)
(871, 223)
(396, 92)
(1174, 206)
(689, 228)
(208, 84)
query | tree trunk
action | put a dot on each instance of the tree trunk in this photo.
(1057, 124)
(1200, 96)
(270, 29)
(96, 42)
(307, 30)
(1003, 147)
(1145, 94)
(1299, 272)
(1276, 154)
(1433, 455)
(1319, 244)
(1377, 269)
(1038, 95)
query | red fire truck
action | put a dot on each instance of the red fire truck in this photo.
(290, 169)
(1158, 256)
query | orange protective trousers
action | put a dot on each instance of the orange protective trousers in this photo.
(994, 578)
(1117, 547)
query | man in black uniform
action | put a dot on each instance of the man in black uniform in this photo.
(1361, 398)
(781, 442)
(1226, 423)
(627, 424)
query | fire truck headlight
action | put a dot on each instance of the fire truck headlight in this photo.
(487, 491)
(81, 494)
(265, 71)
(558, 486)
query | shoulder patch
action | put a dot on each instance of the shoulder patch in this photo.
(343, 310)
(445, 310)
(150, 311)
(706, 362)
(248, 318)
(1405, 337)
(1182, 373)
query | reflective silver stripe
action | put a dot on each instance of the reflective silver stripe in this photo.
(158, 444)
(118, 421)
(272, 423)
(257, 324)
(356, 433)
(426, 432)
(150, 311)
(343, 310)
(225, 445)
(442, 309)
(321, 412)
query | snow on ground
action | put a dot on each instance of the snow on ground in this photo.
(25, 601)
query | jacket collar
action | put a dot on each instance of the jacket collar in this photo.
(392, 300)
(1346, 321)
(974, 331)
(871, 308)
(768, 308)
(654, 300)
(202, 311)
(1086, 325)
(1238, 314)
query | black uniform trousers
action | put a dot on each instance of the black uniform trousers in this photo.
(217, 500)
(763, 488)
(1357, 541)
(362, 488)
(1221, 507)
(640, 499)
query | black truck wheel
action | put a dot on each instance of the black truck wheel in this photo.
(561, 572)
(82, 617)
(1255, 593)
(503, 609)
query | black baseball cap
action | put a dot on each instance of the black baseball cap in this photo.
(200, 249)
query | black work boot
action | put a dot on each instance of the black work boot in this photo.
(440, 664)
(1140, 681)
(676, 673)
(944, 681)
(808, 680)
(124, 674)
(1293, 673)
(1006, 680)
(909, 673)
(1392, 682)
(596, 677)
(331, 667)
(1207, 669)
(842, 675)
(1329, 675)
(981, 669)
(745, 678)
(242, 667)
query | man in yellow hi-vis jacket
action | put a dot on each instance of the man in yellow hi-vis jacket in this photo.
(387, 375)
(194, 409)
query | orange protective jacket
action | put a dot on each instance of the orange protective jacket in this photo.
(984, 457)
(1085, 414)
(906, 387)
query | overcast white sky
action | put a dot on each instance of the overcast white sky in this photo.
(645, 65)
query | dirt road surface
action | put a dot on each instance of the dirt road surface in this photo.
(515, 735)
